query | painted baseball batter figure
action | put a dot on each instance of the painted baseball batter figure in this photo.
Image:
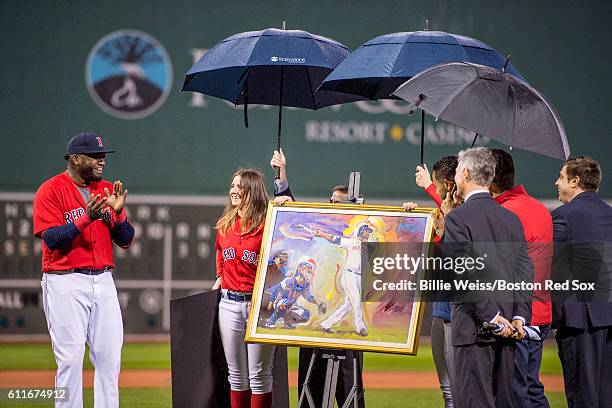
(284, 295)
(350, 278)
(79, 216)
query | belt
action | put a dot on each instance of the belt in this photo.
(237, 296)
(89, 271)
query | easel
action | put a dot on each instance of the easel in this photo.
(353, 188)
(334, 357)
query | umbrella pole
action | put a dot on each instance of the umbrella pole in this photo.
(245, 95)
(246, 103)
(280, 122)
(474, 141)
(422, 137)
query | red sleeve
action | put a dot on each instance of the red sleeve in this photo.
(219, 257)
(431, 191)
(47, 212)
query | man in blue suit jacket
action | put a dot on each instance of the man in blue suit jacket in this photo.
(485, 363)
(582, 232)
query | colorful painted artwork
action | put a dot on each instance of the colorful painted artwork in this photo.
(310, 289)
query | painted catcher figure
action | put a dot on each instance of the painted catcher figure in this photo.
(284, 295)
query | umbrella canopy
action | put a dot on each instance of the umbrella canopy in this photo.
(271, 67)
(490, 102)
(378, 67)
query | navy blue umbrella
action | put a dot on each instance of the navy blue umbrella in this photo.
(378, 67)
(271, 67)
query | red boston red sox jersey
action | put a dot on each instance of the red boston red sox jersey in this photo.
(58, 202)
(238, 257)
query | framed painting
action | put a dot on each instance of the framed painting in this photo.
(315, 286)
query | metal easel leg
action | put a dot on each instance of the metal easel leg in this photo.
(305, 390)
(356, 393)
(331, 379)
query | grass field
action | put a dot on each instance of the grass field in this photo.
(157, 355)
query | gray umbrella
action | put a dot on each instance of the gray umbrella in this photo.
(490, 102)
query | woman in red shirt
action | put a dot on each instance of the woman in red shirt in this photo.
(239, 234)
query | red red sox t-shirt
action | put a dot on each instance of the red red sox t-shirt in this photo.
(238, 257)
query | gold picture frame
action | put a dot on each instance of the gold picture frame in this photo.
(307, 278)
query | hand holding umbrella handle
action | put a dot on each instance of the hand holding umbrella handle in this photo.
(279, 164)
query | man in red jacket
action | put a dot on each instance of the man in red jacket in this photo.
(537, 224)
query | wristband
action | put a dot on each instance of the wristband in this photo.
(82, 222)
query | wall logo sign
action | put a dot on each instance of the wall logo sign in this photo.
(128, 74)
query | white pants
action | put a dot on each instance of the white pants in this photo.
(351, 284)
(84, 309)
(250, 365)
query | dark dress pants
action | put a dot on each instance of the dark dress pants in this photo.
(528, 390)
(483, 375)
(586, 358)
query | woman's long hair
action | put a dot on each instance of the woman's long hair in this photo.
(254, 201)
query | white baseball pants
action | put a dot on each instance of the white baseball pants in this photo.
(84, 309)
(250, 365)
(351, 284)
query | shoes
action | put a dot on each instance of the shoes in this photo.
(289, 326)
(328, 330)
(362, 332)
(269, 325)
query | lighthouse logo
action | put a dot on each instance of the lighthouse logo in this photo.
(128, 74)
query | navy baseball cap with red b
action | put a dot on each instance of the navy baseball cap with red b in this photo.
(86, 142)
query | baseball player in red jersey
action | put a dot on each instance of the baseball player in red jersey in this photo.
(239, 235)
(79, 216)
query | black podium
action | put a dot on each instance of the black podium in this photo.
(199, 369)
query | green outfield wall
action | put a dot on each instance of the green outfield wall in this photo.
(190, 144)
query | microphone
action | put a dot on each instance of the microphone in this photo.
(494, 328)
(488, 327)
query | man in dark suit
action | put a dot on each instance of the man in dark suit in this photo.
(484, 362)
(582, 232)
